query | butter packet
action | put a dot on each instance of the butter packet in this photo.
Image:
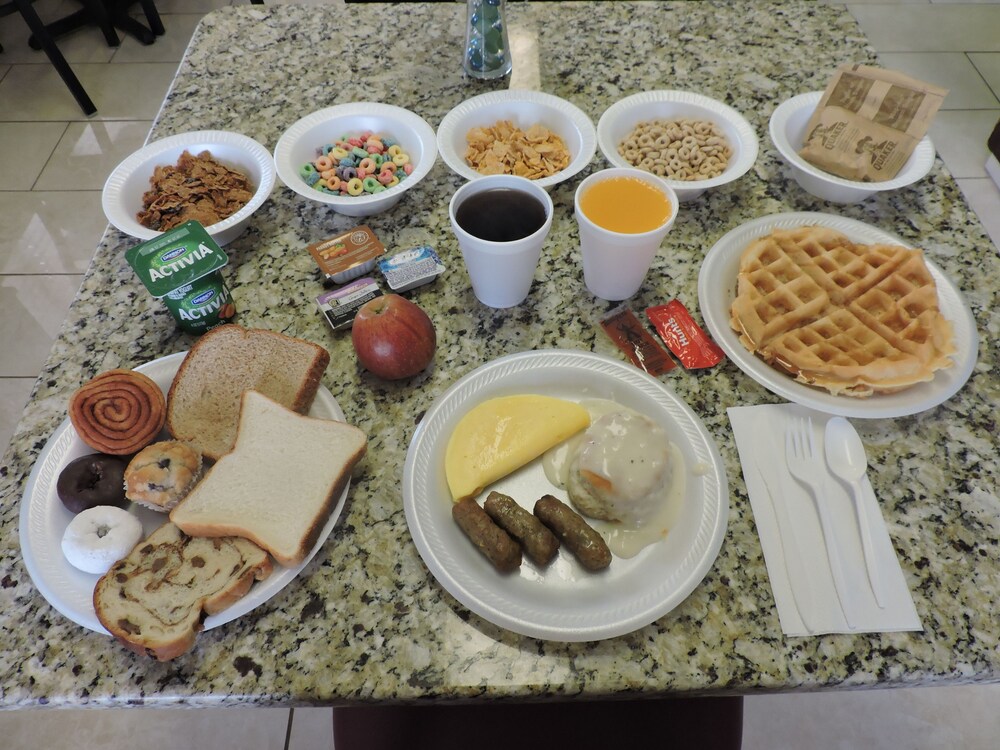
(868, 122)
(411, 268)
(347, 256)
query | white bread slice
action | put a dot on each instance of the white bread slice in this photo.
(203, 405)
(154, 600)
(279, 484)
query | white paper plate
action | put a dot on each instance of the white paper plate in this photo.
(44, 519)
(524, 109)
(717, 290)
(563, 602)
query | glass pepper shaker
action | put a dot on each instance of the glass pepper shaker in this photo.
(487, 51)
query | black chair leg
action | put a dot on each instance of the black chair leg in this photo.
(152, 17)
(103, 18)
(55, 56)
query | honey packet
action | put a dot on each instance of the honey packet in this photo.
(868, 122)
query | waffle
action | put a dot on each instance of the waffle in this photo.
(854, 319)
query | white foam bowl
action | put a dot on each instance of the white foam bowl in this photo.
(124, 188)
(788, 132)
(621, 118)
(523, 109)
(300, 143)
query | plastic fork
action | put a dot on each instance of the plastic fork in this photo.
(805, 464)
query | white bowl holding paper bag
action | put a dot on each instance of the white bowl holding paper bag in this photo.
(788, 132)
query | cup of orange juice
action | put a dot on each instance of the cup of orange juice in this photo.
(623, 216)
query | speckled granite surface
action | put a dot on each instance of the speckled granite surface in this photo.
(366, 621)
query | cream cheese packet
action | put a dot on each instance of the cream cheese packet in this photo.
(868, 122)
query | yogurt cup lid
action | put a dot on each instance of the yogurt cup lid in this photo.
(178, 257)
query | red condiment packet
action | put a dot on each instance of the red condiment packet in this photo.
(628, 333)
(685, 338)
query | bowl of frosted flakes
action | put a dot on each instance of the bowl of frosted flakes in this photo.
(530, 134)
(693, 142)
(215, 177)
(358, 158)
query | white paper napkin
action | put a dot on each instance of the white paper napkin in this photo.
(779, 501)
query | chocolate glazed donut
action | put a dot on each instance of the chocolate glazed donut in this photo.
(118, 412)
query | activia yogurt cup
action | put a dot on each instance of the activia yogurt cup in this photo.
(182, 268)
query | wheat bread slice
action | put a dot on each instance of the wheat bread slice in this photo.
(203, 405)
(279, 484)
(155, 600)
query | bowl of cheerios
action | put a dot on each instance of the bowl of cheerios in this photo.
(693, 142)
(215, 177)
(358, 158)
(529, 134)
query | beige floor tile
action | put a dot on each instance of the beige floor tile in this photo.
(146, 728)
(988, 65)
(121, 92)
(984, 197)
(952, 70)
(3, 70)
(25, 147)
(49, 233)
(34, 308)
(960, 138)
(167, 48)
(14, 394)
(915, 719)
(312, 729)
(930, 28)
(89, 152)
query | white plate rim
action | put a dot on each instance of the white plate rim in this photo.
(748, 136)
(477, 587)
(717, 290)
(288, 173)
(585, 126)
(923, 153)
(45, 564)
(116, 180)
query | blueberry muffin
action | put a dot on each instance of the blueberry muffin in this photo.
(162, 474)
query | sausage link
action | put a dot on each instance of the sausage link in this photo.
(585, 543)
(538, 542)
(490, 539)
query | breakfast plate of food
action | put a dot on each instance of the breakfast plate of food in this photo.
(837, 315)
(45, 518)
(523, 436)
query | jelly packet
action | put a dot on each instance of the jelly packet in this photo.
(182, 268)
(628, 333)
(340, 306)
(411, 268)
(347, 256)
(685, 338)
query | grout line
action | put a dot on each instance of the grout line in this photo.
(51, 154)
(288, 728)
(968, 56)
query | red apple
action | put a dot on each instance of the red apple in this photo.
(393, 337)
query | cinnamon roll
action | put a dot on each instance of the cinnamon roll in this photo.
(118, 412)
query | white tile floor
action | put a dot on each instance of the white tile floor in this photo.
(53, 162)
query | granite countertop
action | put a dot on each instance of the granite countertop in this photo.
(366, 621)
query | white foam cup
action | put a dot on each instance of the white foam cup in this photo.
(501, 272)
(615, 263)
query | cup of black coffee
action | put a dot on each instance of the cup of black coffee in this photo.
(501, 222)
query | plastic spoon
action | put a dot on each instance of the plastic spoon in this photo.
(845, 455)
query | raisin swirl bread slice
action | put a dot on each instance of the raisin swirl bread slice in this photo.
(154, 600)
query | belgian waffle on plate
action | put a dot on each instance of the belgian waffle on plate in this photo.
(854, 319)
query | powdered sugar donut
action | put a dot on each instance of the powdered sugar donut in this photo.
(99, 537)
